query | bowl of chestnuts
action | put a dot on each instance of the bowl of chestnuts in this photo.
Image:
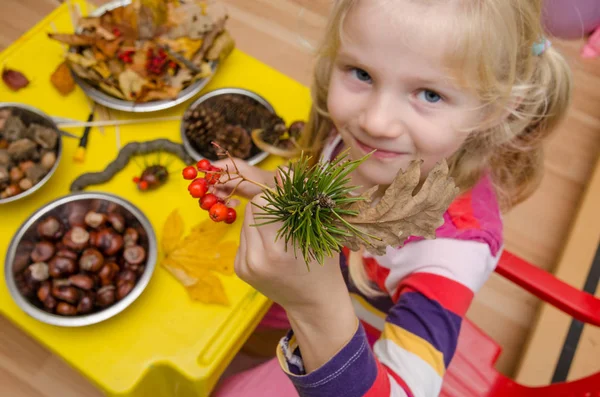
(30, 150)
(81, 259)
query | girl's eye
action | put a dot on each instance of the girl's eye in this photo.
(429, 96)
(361, 74)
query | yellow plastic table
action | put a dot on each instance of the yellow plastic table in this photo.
(164, 344)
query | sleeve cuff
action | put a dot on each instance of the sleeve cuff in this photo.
(350, 372)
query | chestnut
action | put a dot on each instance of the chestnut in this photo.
(65, 253)
(25, 165)
(94, 219)
(126, 276)
(117, 221)
(25, 184)
(76, 239)
(61, 267)
(50, 228)
(91, 260)
(44, 291)
(50, 303)
(134, 254)
(105, 296)
(26, 285)
(130, 237)
(38, 271)
(94, 238)
(81, 281)
(65, 309)
(124, 289)
(86, 304)
(110, 242)
(107, 273)
(42, 252)
(67, 294)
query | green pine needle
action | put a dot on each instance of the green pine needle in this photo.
(311, 202)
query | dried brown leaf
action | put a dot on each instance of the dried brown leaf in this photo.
(221, 48)
(400, 214)
(75, 40)
(62, 79)
(131, 83)
(14, 79)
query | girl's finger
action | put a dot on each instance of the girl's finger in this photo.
(239, 264)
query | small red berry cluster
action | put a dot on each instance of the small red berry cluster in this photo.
(202, 188)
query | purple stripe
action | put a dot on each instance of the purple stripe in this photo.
(429, 320)
(351, 372)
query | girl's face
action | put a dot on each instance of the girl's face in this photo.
(389, 90)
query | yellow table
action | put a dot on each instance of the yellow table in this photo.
(164, 344)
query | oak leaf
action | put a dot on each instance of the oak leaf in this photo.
(401, 213)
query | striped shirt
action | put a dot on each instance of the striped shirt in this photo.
(406, 339)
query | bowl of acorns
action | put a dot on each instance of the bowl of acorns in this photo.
(80, 259)
(30, 150)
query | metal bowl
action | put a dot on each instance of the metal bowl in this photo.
(256, 155)
(17, 257)
(112, 102)
(28, 115)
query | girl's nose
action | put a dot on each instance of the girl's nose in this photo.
(381, 118)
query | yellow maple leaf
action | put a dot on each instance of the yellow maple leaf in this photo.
(172, 232)
(193, 258)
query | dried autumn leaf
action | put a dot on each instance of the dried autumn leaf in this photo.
(182, 77)
(221, 48)
(172, 232)
(112, 90)
(131, 83)
(148, 94)
(75, 40)
(109, 47)
(219, 258)
(399, 214)
(62, 79)
(14, 79)
(79, 59)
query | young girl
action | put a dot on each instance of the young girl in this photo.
(470, 81)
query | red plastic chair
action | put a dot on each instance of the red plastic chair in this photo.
(472, 372)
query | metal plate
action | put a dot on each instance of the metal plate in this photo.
(253, 160)
(111, 102)
(31, 114)
(23, 240)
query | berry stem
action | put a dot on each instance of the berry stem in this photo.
(237, 173)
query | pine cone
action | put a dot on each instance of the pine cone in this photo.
(236, 140)
(201, 127)
(240, 110)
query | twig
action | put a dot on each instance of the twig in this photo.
(79, 124)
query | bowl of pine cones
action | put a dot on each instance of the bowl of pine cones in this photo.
(227, 116)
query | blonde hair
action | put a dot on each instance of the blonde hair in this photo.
(525, 96)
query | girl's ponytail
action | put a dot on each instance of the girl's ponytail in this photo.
(517, 164)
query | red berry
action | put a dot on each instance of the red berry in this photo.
(198, 181)
(208, 201)
(218, 212)
(136, 179)
(143, 185)
(197, 190)
(231, 215)
(213, 178)
(189, 172)
(203, 165)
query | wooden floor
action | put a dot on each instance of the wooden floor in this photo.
(280, 33)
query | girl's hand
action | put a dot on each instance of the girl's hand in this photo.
(316, 300)
(245, 189)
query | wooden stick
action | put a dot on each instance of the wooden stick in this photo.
(108, 123)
